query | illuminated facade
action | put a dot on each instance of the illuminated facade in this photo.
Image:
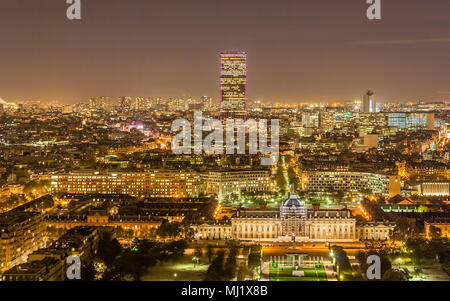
(356, 182)
(442, 224)
(411, 120)
(233, 84)
(21, 233)
(140, 225)
(374, 231)
(435, 189)
(294, 221)
(156, 183)
(224, 183)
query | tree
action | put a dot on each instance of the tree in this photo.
(418, 248)
(88, 272)
(216, 271)
(130, 265)
(133, 262)
(281, 180)
(188, 232)
(341, 260)
(231, 262)
(198, 252)
(176, 248)
(169, 229)
(404, 228)
(233, 197)
(210, 252)
(108, 248)
(435, 232)
(293, 178)
(254, 258)
(121, 233)
(339, 195)
(241, 272)
(394, 275)
(434, 249)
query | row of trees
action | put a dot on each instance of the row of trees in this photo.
(225, 266)
(434, 250)
(167, 230)
(341, 263)
(113, 262)
(222, 269)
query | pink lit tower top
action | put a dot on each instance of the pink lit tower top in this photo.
(233, 85)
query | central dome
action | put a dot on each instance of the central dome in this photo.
(293, 201)
(293, 208)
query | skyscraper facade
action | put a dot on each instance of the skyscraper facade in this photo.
(233, 84)
(369, 104)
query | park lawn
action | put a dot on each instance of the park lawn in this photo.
(285, 274)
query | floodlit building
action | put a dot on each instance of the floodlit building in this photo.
(224, 183)
(233, 83)
(443, 224)
(348, 181)
(48, 269)
(294, 220)
(374, 231)
(156, 183)
(411, 120)
(429, 188)
(21, 233)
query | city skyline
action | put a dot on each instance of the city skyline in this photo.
(298, 51)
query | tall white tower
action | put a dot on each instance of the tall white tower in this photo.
(369, 104)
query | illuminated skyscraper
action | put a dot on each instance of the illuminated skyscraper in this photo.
(369, 104)
(233, 84)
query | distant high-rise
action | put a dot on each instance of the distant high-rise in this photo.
(369, 104)
(98, 103)
(233, 84)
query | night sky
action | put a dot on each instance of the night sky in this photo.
(298, 50)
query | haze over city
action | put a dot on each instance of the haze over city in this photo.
(298, 51)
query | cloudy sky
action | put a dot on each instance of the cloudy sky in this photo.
(298, 50)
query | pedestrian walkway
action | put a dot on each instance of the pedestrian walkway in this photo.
(331, 274)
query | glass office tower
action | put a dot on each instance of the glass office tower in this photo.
(233, 84)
